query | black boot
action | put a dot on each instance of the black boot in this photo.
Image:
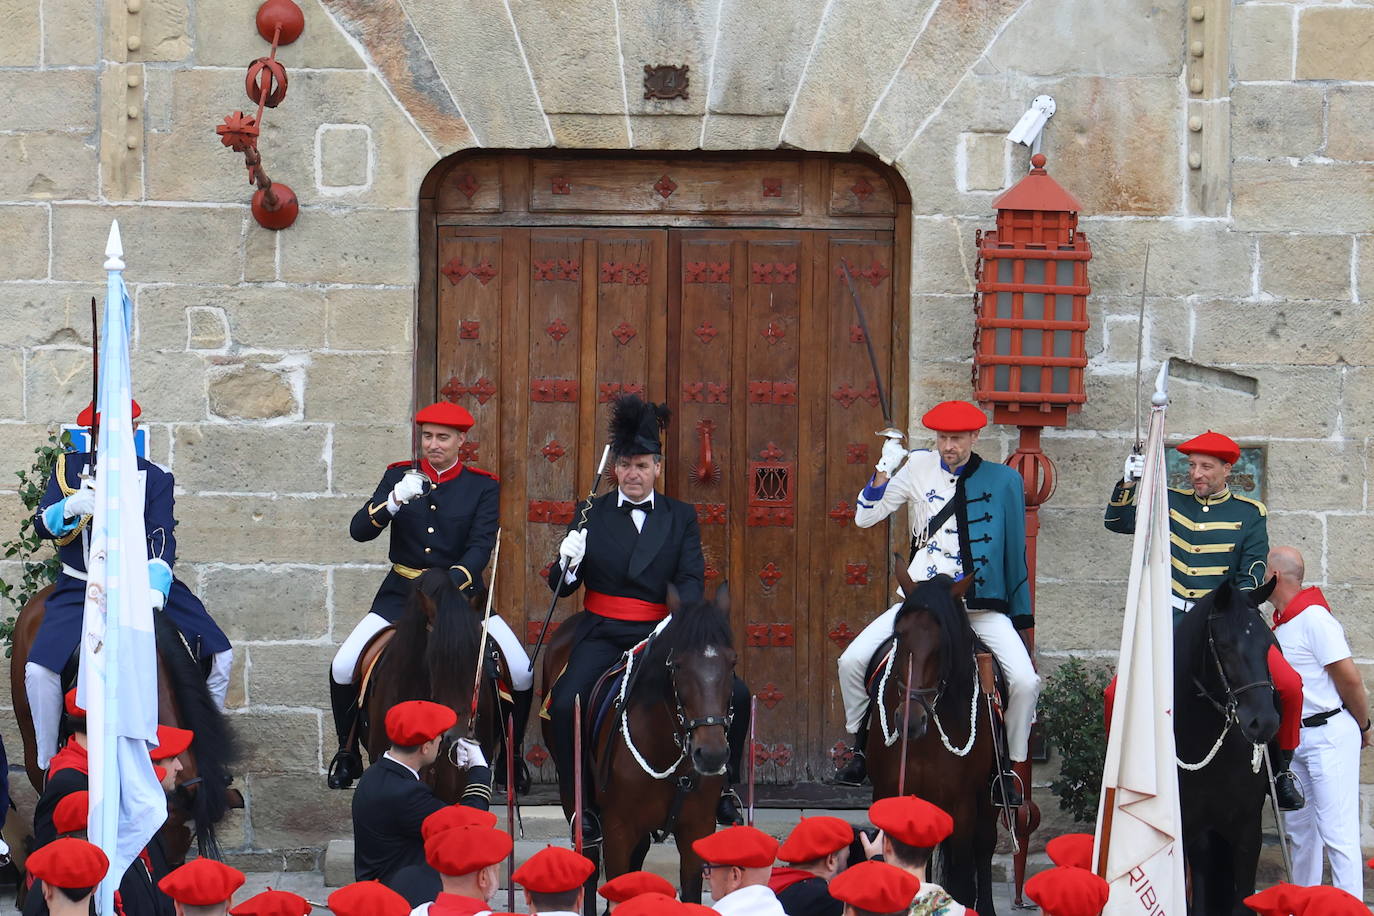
(1006, 791)
(591, 830)
(728, 808)
(522, 700)
(1288, 792)
(347, 765)
(855, 772)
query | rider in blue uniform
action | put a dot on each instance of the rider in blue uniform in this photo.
(63, 516)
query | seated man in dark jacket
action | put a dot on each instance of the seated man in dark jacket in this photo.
(816, 851)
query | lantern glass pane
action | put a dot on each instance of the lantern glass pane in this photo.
(1060, 381)
(1004, 270)
(1001, 378)
(1033, 304)
(1003, 342)
(1065, 273)
(1031, 345)
(1003, 306)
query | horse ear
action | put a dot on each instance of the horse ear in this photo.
(958, 589)
(674, 599)
(1221, 595)
(722, 599)
(903, 575)
(1263, 593)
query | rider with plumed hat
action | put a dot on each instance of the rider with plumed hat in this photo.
(968, 519)
(1216, 534)
(634, 544)
(442, 514)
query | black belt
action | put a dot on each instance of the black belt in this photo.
(1320, 718)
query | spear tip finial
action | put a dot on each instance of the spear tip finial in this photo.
(114, 248)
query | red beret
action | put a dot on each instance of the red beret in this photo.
(76, 712)
(446, 414)
(553, 870)
(699, 908)
(1325, 900)
(1278, 900)
(651, 904)
(876, 887)
(1214, 444)
(1072, 850)
(954, 417)
(367, 898)
(632, 884)
(84, 418)
(171, 742)
(911, 820)
(201, 882)
(159, 772)
(1068, 892)
(273, 903)
(464, 850)
(455, 816)
(815, 838)
(745, 847)
(72, 812)
(69, 863)
(417, 721)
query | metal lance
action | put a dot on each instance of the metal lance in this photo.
(890, 432)
(753, 714)
(577, 774)
(89, 470)
(1139, 445)
(415, 469)
(510, 809)
(562, 562)
(482, 645)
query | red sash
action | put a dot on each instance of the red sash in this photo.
(1301, 602)
(618, 608)
(782, 878)
(71, 757)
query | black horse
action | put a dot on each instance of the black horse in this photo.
(1225, 711)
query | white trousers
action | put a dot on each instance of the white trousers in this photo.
(1327, 763)
(217, 681)
(994, 629)
(44, 691)
(346, 659)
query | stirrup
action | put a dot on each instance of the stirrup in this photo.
(346, 766)
(728, 809)
(853, 773)
(1006, 791)
(1288, 794)
(591, 830)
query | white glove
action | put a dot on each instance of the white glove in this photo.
(82, 502)
(573, 548)
(894, 453)
(1134, 468)
(159, 600)
(406, 489)
(469, 753)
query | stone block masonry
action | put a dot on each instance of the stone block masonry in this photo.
(275, 369)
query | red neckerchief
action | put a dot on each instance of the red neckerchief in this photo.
(458, 905)
(1301, 602)
(71, 757)
(437, 478)
(782, 878)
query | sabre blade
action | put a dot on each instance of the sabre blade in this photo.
(868, 342)
(1139, 349)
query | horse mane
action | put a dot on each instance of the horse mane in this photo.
(691, 628)
(213, 743)
(448, 644)
(934, 597)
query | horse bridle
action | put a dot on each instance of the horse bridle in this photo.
(682, 735)
(1232, 693)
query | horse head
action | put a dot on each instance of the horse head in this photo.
(694, 658)
(1235, 665)
(932, 636)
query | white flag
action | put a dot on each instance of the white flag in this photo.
(118, 680)
(1139, 848)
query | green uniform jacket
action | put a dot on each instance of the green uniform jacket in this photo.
(1221, 536)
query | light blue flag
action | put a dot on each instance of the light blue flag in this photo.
(118, 682)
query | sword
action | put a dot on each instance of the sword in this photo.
(890, 432)
(1139, 446)
(1278, 815)
(562, 562)
(482, 645)
(510, 809)
(577, 774)
(753, 712)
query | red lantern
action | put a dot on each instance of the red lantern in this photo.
(1032, 305)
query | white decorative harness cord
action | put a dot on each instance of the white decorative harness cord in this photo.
(1228, 712)
(625, 722)
(890, 736)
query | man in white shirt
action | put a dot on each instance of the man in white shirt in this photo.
(1335, 710)
(739, 861)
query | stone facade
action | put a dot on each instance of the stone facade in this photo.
(1231, 139)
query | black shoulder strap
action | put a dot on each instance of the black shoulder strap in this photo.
(955, 504)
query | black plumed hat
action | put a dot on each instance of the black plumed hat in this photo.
(635, 426)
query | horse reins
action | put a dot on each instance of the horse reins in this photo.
(1227, 711)
(682, 734)
(921, 695)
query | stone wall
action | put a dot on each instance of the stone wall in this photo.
(1231, 140)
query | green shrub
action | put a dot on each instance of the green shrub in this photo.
(38, 565)
(1071, 714)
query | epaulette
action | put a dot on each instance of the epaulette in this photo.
(1254, 502)
(484, 473)
(408, 463)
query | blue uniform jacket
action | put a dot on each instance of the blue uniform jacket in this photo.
(61, 629)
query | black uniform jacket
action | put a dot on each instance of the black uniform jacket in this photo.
(809, 898)
(630, 564)
(452, 526)
(388, 806)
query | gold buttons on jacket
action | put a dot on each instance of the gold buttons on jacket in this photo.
(431, 530)
(433, 508)
(427, 550)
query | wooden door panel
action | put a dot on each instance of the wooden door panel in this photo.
(471, 283)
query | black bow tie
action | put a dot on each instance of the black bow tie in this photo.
(627, 507)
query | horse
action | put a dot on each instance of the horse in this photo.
(1225, 710)
(203, 795)
(952, 764)
(658, 760)
(433, 656)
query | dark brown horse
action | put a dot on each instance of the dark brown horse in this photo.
(433, 656)
(664, 747)
(202, 796)
(951, 748)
